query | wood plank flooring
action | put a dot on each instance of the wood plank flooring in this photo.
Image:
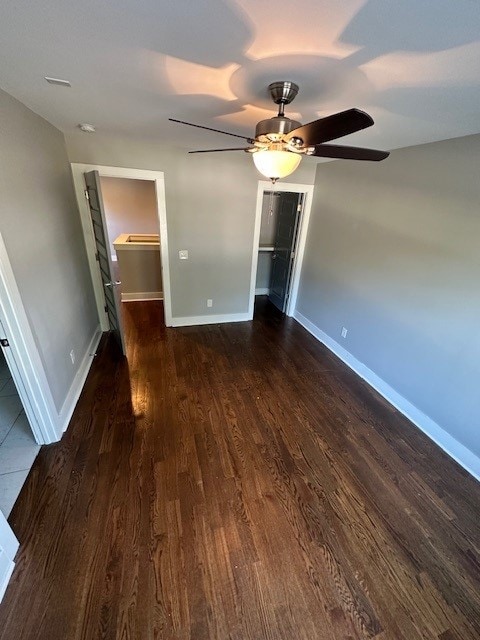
(237, 482)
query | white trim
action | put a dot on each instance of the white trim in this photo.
(6, 569)
(78, 169)
(262, 291)
(190, 321)
(8, 548)
(140, 296)
(307, 190)
(8, 541)
(23, 358)
(466, 458)
(78, 382)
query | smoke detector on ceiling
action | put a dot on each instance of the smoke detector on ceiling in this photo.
(87, 128)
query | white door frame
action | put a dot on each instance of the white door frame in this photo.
(78, 169)
(8, 549)
(307, 190)
(23, 358)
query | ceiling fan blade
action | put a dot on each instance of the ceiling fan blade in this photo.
(349, 153)
(216, 150)
(199, 126)
(332, 127)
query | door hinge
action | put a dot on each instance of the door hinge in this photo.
(97, 257)
(106, 308)
(299, 207)
(4, 342)
(87, 197)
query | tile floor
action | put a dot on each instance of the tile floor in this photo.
(18, 448)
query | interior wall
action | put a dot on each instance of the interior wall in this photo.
(264, 270)
(130, 207)
(268, 227)
(211, 202)
(140, 273)
(393, 256)
(42, 232)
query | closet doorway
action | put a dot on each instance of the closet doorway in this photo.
(281, 224)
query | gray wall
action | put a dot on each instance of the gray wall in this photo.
(140, 271)
(130, 207)
(42, 232)
(211, 203)
(268, 227)
(264, 270)
(270, 207)
(393, 254)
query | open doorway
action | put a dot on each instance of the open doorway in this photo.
(28, 417)
(128, 260)
(281, 215)
(282, 218)
(18, 447)
(124, 221)
(134, 234)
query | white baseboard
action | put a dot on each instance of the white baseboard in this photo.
(76, 387)
(140, 296)
(191, 321)
(262, 291)
(466, 458)
(6, 570)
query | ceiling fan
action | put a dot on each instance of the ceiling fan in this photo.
(280, 143)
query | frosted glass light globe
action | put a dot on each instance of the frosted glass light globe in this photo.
(276, 164)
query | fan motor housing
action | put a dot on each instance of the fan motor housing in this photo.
(275, 128)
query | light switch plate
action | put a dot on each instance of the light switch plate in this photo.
(183, 254)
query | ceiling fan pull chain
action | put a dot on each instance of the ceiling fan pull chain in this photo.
(271, 203)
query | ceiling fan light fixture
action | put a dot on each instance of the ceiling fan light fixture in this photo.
(275, 164)
(280, 142)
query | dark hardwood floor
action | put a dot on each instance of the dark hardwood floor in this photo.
(237, 482)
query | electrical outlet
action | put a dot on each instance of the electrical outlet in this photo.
(183, 254)
(344, 332)
(209, 302)
(72, 356)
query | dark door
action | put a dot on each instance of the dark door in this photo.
(283, 253)
(110, 286)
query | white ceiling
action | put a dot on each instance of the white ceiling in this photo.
(414, 65)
